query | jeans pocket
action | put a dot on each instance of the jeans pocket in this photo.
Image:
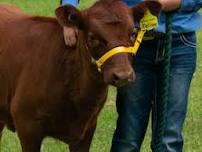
(188, 39)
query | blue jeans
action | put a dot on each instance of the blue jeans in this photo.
(137, 100)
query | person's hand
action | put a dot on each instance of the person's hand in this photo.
(170, 5)
(70, 35)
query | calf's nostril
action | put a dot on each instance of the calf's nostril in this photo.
(131, 76)
(116, 77)
(120, 76)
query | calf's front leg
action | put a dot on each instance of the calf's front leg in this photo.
(29, 128)
(84, 144)
(30, 136)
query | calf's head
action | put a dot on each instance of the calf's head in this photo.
(106, 25)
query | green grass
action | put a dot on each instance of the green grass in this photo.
(107, 118)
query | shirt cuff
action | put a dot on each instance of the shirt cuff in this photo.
(187, 4)
(71, 2)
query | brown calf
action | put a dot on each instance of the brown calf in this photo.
(48, 89)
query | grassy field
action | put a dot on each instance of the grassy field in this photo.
(107, 119)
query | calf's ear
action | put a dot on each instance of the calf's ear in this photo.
(139, 9)
(68, 15)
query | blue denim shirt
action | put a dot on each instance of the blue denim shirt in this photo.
(72, 2)
(186, 19)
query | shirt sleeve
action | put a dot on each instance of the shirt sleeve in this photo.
(191, 4)
(72, 2)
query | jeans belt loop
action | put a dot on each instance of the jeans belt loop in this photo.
(150, 35)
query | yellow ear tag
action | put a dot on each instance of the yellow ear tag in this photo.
(148, 22)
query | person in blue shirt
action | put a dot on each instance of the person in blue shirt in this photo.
(135, 102)
(72, 2)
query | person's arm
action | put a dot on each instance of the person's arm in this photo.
(170, 5)
(70, 33)
(191, 4)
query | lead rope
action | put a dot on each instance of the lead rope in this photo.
(162, 99)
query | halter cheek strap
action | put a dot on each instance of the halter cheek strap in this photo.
(121, 49)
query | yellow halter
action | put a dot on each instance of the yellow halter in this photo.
(148, 22)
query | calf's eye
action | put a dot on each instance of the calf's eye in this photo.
(92, 39)
(95, 41)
